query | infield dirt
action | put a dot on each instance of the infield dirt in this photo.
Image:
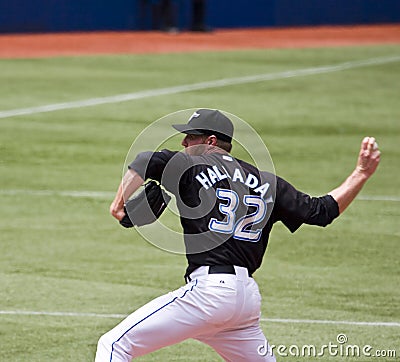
(77, 44)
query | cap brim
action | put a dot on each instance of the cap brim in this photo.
(184, 128)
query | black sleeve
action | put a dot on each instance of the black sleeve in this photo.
(170, 168)
(295, 208)
(151, 164)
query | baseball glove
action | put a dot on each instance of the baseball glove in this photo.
(146, 207)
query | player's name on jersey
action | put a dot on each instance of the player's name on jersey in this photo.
(214, 174)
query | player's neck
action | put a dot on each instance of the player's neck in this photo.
(213, 149)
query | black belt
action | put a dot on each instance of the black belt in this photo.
(221, 269)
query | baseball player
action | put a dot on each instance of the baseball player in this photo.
(227, 209)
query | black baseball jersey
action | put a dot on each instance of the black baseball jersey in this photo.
(228, 207)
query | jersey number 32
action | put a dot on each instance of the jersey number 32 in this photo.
(241, 228)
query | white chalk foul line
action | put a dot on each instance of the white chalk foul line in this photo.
(199, 86)
(109, 195)
(268, 320)
(65, 193)
(60, 314)
(318, 321)
(379, 198)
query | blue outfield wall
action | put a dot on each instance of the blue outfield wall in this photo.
(66, 15)
(228, 13)
(89, 15)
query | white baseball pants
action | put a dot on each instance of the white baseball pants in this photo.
(221, 310)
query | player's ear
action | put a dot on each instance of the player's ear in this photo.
(212, 140)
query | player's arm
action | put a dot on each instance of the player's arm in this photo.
(295, 208)
(129, 184)
(147, 165)
(368, 160)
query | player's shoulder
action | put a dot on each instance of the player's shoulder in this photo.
(163, 155)
(247, 165)
(166, 152)
(249, 168)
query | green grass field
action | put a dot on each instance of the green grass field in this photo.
(61, 252)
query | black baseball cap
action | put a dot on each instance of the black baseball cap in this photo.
(207, 122)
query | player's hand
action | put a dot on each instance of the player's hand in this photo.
(117, 212)
(369, 157)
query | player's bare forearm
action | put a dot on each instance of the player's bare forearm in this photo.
(129, 184)
(348, 190)
(368, 160)
(117, 206)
